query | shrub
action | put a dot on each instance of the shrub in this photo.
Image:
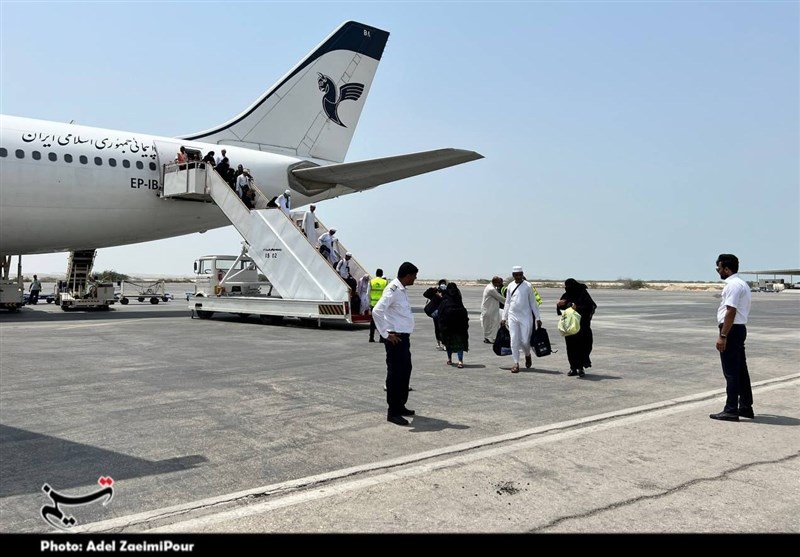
(630, 284)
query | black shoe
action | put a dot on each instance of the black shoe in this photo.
(399, 420)
(572, 373)
(725, 416)
(746, 413)
(372, 340)
(580, 373)
(407, 412)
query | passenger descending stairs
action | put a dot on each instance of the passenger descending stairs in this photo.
(79, 269)
(279, 249)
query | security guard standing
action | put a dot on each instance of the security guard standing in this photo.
(395, 323)
(376, 287)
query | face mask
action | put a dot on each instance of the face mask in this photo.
(442, 287)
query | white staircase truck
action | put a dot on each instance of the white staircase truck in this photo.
(299, 283)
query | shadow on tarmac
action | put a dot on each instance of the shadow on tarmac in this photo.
(31, 459)
(88, 315)
(423, 424)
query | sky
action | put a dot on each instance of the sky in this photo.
(621, 139)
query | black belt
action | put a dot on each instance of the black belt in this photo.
(400, 334)
(732, 326)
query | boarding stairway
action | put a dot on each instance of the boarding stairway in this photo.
(79, 270)
(279, 248)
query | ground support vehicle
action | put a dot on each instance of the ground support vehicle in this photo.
(152, 291)
(11, 289)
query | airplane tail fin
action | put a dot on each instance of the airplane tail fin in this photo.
(313, 110)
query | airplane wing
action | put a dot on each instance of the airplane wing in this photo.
(364, 175)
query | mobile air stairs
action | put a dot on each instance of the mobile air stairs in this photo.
(79, 290)
(302, 283)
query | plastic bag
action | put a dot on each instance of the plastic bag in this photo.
(569, 323)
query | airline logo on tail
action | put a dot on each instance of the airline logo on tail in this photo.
(331, 98)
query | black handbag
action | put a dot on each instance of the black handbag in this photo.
(540, 342)
(502, 342)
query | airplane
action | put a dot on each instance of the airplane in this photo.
(67, 187)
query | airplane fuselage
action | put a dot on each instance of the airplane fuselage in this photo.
(66, 187)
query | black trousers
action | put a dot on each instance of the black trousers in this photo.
(372, 327)
(398, 373)
(34, 297)
(436, 330)
(734, 368)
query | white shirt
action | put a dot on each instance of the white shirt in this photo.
(735, 294)
(520, 306)
(491, 299)
(218, 159)
(343, 267)
(242, 183)
(393, 311)
(326, 240)
(283, 202)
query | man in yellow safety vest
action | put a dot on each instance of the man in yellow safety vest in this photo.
(376, 287)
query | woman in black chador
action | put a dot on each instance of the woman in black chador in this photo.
(435, 295)
(579, 345)
(453, 324)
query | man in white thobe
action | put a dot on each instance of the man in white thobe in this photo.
(284, 201)
(518, 315)
(490, 309)
(343, 266)
(326, 242)
(308, 223)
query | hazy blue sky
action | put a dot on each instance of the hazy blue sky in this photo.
(621, 139)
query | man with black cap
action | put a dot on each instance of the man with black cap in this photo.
(519, 312)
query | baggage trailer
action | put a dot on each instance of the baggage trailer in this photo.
(153, 291)
(231, 284)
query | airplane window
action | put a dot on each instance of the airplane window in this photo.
(126, 163)
(52, 156)
(83, 159)
(20, 153)
(3, 152)
(112, 162)
(153, 166)
(67, 158)
(36, 155)
(139, 165)
(98, 161)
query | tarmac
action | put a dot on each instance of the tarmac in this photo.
(231, 426)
